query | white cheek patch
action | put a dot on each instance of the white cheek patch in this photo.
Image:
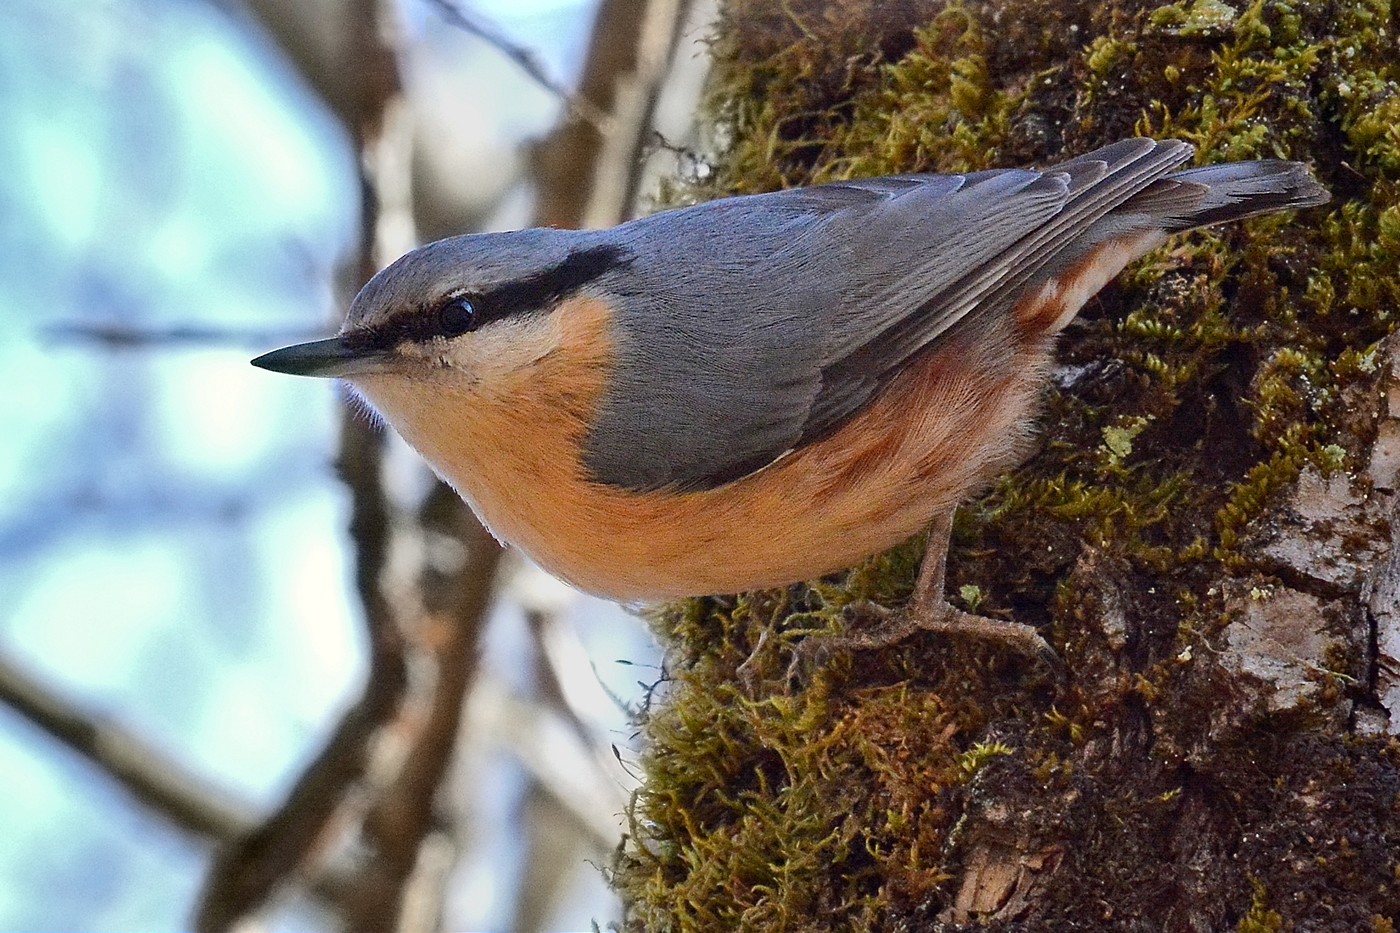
(510, 344)
(494, 354)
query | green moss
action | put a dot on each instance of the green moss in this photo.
(1199, 18)
(978, 756)
(793, 806)
(1205, 381)
(1260, 918)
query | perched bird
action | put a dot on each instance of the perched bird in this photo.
(763, 389)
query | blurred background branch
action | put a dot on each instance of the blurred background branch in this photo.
(146, 772)
(578, 108)
(403, 805)
(247, 872)
(114, 336)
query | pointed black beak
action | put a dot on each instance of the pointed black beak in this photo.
(325, 358)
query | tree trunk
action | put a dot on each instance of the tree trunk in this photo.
(1204, 532)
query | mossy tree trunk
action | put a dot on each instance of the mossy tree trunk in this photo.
(1204, 531)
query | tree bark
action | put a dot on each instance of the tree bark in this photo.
(1204, 532)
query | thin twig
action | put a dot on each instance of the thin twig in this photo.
(147, 773)
(525, 59)
(566, 163)
(126, 336)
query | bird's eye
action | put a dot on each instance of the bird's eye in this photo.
(457, 316)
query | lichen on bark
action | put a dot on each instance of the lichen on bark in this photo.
(1201, 532)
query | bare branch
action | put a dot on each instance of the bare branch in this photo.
(246, 874)
(566, 764)
(143, 770)
(117, 336)
(584, 171)
(455, 602)
(617, 175)
(579, 107)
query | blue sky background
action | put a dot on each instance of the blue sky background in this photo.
(171, 537)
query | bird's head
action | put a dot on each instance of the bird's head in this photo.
(457, 343)
(468, 310)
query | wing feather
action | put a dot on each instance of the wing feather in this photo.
(795, 308)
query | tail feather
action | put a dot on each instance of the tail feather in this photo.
(1215, 194)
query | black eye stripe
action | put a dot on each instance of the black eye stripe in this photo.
(547, 286)
(449, 318)
(531, 294)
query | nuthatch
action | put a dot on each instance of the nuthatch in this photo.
(763, 389)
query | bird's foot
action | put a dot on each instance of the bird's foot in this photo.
(894, 626)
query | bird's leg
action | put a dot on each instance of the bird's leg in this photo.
(927, 611)
(930, 611)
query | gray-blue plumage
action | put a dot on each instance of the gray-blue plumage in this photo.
(793, 309)
(748, 327)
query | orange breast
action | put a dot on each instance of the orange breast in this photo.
(512, 450)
